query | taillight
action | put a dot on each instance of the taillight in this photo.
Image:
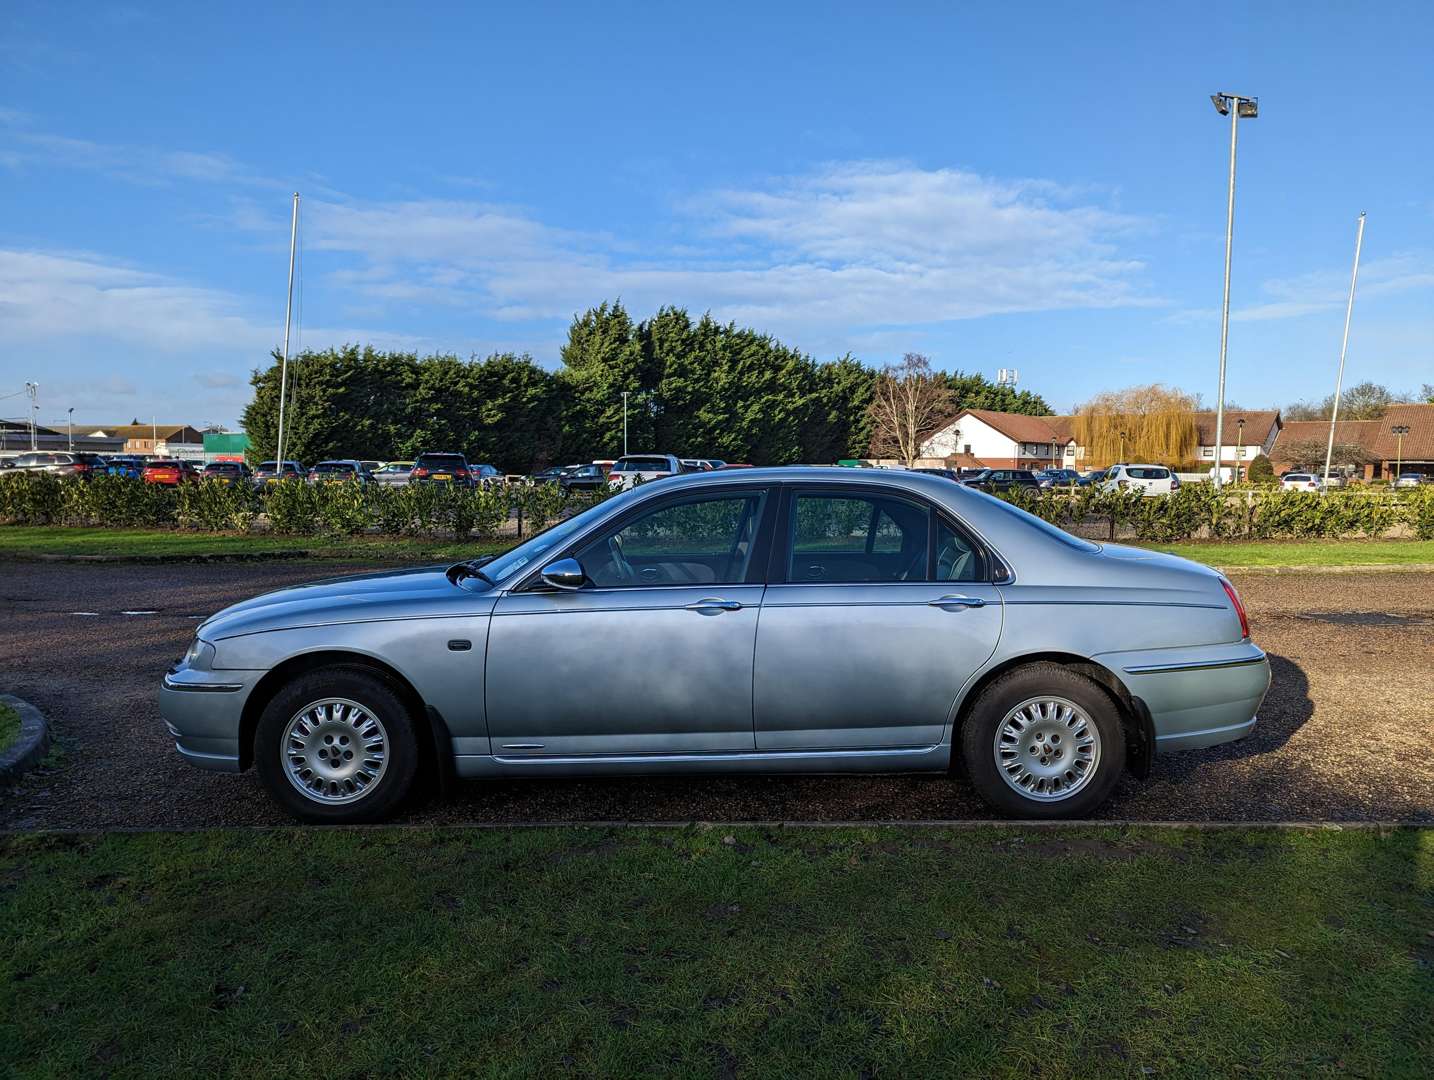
(80, 466)
(420, 472)
(460, 472)
(1239, 607)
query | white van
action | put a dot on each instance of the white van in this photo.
(1147, 479)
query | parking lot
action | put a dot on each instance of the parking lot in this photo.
(1343, 736)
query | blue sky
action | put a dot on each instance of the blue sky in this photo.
(1030, 186)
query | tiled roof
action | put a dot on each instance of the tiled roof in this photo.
(1257, 426)
(1375, 436)
(1016, 426)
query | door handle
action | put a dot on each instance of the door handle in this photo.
(714, 604)
(956, 601)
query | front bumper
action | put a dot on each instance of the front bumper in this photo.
(1197, 697)
(203, 711)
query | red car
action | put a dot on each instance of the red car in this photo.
(170, 473)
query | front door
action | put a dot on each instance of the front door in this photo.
(882, 611)
(653, 655)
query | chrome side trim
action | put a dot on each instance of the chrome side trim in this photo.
(1194, 665)
(202, 688)
(751, 755)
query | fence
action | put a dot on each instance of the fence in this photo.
(1196, 511)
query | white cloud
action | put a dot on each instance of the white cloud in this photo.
(217, 380)
(1327, 290)
(862, 245)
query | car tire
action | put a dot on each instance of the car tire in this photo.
(1043, 742)
(352, 750)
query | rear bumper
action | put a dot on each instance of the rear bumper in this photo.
(1197, 697)
(203, 711)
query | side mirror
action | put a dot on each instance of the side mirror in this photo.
(564, 574)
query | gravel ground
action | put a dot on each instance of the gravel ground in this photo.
(1343, 736)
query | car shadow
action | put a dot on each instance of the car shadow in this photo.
(1284, 711)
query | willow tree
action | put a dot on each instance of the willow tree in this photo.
(1142, 423)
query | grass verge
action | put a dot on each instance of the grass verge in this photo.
(9, 726)
(702, 951)
(1304, 552)
(65, 540)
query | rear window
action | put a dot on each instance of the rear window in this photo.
(1298, 476)
(442, 461)
(333, 467)
(1149, 474)
(222, 467)
(646, 464)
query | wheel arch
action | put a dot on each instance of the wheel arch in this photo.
(1134, 716)
(431, 730)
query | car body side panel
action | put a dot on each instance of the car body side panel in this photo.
(448, 679)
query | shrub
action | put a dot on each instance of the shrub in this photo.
(1261, 471)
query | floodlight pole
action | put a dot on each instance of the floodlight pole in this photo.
(72, 427)
(1399, 432)
(624, 422)
(288, 310)
(1232, 104)
(1344, 345)
(33, 389)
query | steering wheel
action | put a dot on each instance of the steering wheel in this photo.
(625, 571)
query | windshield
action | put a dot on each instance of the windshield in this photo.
(524, 555)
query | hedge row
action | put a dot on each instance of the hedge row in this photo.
(1199, 510)
(293, 509)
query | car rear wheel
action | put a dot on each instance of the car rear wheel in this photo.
(337, 746)
(1043, 742)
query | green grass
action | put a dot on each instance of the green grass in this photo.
(62, 540)
(1304, 552)
(680, 952)
(9, 725)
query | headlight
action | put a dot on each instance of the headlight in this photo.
(199, 655)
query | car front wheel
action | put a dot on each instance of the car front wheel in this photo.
(1043, 742)
(337, 746)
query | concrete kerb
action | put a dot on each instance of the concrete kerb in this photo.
(31, 745)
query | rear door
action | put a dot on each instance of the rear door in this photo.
(879, 610)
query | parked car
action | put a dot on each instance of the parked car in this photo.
(1001, 479)
(394, 473)
(1412, 480)
(228, 472)
(1147, 479)
(130, 465)
(170, 472)
(270, 472)
(371, 466)
(950, 474)
(442, 468)
(1058, 477)
(690, 465)
(487, 474)
(634, 467)
(734, 465)
(1301, 481)
(61, 463)
(583, 478)
(1094, 476)
(906, 624)
(551, 475)
(340, 471)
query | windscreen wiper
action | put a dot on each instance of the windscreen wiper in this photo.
(471, 568)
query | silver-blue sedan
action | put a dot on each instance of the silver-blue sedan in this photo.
(758, 620)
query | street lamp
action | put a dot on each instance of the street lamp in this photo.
(1122, 447)
(33, 389)
(1399, 430)
(1239, 445)
(1236, 107)
(72, 427)
(624, 423)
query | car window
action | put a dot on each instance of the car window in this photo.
(1149, 474)
(852, 539)
(333, 467)
(956, 558)
(647, 464)
(695, 542)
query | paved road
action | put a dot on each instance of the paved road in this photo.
(1344, 735)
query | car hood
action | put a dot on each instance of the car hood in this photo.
(388, 594)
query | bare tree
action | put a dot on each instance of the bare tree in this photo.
(908, 402)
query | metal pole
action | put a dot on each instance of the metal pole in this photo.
(1225, 308)
(1344, 345)
(624, 423)
(288, 311)
(33, 389)
(1398, 456)
(72, 428)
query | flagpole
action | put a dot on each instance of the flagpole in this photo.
(1344, 346)
(288, 312)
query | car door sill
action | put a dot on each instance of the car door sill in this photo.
(872, 759)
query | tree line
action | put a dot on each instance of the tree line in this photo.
(695, 388)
